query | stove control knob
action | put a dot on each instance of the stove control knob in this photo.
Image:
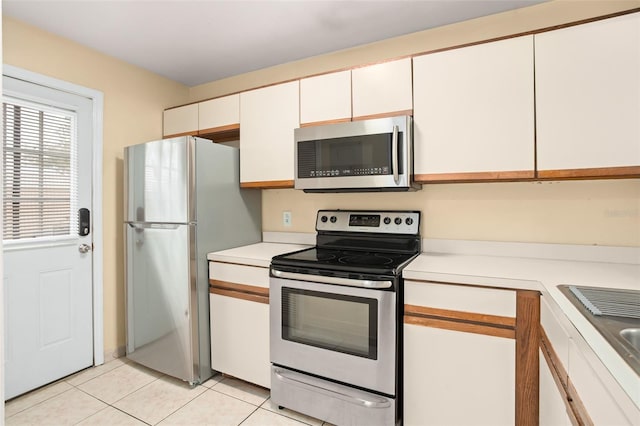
(323, 219)
(408, 221)
(397, 221)
(387, 220)
(333, 219)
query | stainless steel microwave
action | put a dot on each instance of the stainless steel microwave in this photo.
(367, 155)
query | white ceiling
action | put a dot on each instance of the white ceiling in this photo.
(194, 42)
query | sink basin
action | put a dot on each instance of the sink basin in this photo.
(615, 314)
(632, 335)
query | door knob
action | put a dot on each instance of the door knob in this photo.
(84, 248)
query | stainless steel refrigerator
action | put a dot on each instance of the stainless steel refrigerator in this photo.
(182, 201)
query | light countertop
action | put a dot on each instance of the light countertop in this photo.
(529, 273)
(544, 275)
(258, 254)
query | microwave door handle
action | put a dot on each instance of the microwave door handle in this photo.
(394, 155)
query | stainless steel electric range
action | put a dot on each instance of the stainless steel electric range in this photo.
(336, 318)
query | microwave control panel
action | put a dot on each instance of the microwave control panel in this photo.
(367, 171)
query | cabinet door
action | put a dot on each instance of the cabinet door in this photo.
(268, 117)
(325, 98)
(602, 407)
(474, 112)
(382, 89)
(456, 378)
(240, 339)
(553, 410)
(181, 121)
(219, 114)
(588, 99)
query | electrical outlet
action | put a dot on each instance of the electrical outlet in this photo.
(286, 218)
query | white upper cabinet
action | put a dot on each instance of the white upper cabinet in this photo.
(474, 112)
(588, 98)
(325, 98)
(382, 89)
(268, 117)
(219, 114)
(181, 121)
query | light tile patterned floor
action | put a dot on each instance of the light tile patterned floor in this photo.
(125, 393)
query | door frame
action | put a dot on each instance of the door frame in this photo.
(97, 100)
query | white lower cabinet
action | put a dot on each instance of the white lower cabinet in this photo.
(453, 376)
(457, 378)
(240, 339)
(602, 406)
(553, 409)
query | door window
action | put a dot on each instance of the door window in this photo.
(39, 171)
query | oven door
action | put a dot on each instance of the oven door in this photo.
(342, 333)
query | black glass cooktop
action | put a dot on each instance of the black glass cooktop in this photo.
(371, 262)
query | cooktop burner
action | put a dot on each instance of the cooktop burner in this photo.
(360, 242)
(362, 261)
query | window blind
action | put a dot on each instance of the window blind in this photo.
(38, 169)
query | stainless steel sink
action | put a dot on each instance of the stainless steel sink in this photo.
(615, 313)
(632, 335)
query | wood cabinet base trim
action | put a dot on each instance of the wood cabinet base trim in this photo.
(267, 184)
(468, 322)
(628, 172)
(475, 176)
(465, 327)
(239, 291)
(527, 358)
(574, 407)
(471, 317)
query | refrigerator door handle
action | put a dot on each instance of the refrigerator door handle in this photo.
(154, 225)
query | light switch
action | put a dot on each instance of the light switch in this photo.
(286, 218)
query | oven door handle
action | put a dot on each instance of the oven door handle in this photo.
(349, 395)
(333, 280)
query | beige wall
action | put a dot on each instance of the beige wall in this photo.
(570, 212)
(133, 103)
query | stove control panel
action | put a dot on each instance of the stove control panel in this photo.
(382, 222)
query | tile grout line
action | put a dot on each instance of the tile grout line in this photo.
(250, 414)
(39, 402)
(184, 405)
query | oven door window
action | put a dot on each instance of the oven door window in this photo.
(341, 323)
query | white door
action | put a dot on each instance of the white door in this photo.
(47, 139)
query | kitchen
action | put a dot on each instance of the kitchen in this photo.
(588, 212)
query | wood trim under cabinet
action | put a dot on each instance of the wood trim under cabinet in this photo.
(267, 184)
(468, 322)
(383, 115)
(592, 173)
(475, 176)
(574, 407)
(219, 129)
(527, 358)
(220, 134)
(239, 291)
(177, 135)
(322, 123)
